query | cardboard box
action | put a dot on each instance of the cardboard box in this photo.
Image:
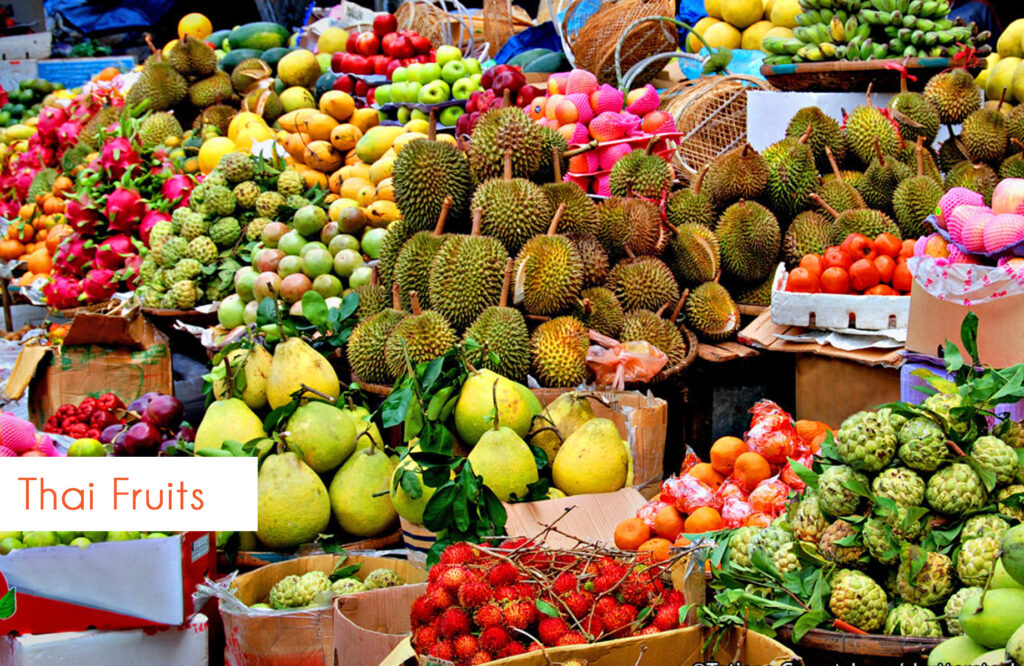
(763, 333)
(681, 647)
(187, 645)
(934, 321)
(110, 585)
(367, 627)
(830, 389)
(128, 356)
(590, 517)
(304, 637)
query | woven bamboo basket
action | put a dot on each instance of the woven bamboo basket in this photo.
(440, 21)
(593, 41)
(501, 20)
(711, 114)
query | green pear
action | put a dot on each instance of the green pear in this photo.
(956, 651)
(293, 505)
(407, 507)
(227, 419)
(360, 494)
(993, 658)
(296, 364)
(362, 422)
(322, 434)
(40, 539)
(66, 537)
(591, 460)
(1000, 615)
(13, 535)
(254, 365)
(476, 404)
(505, 462)
(565, 414)
(1012, 545)
(1002, 580)
(248, 541)
(1015, 646)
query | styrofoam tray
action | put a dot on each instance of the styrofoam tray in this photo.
(836, 311)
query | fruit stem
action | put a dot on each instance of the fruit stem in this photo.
(432, 126)
(878, 152)
(414, 303)
(1002, 98)
(317, 393)
(903, 82)
(149, 43)
(868, 94)
(396, 296)
(446, 206)
(956, 449)
(650, 144)
(494, 398)
(374, 276)
(553, 227)
(920, 155)
(585, 148)
(679, 306)
(821, 202)
(661, 310)
(507, 165)
(700, 178)
(807, 134)
(506, 282)
(556, 163)
(1017, 141)
(671, 227)
(478, 220)
(506, 97)
(835, 165)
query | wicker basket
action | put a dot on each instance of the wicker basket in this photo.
(711, 114)
(593, 40)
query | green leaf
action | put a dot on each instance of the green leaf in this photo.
(266, 313)
(969, 336)
(411, 484)
(344, 571)
(546, 608)
(395, 406)
(8, 605)
(314, 308)
(436, 513)
(279, 416)
(828, 448)
(460, 511)
(432, 372)
(413, 422)
(349, 305)
(495, 509)
(806, 475)
(437, 403)
(807, 622)
(940, 384)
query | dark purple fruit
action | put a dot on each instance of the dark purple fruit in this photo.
(110, 433)
(142, 439)
(164, 411)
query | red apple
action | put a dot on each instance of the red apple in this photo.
(338, 61)
(380, 63)
(360, 64)
(344, 84)
(420, 43)
(527, 94)
(392, 66)
(371, 96)
(386, 43)
(508, 80)
(350, 45)
(384, 23)
(398, 46)
(423, 58)
(367, 44)
(361, 88)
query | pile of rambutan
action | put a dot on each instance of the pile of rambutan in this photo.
(486, 603)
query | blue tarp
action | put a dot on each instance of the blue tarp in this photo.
(690, 11)
(541, 36)
(89, 16)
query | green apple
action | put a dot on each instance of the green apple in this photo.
(477, 78)
(450, 115)
(453, 71)
(397, 91)
(87, 447)
(66, 537)
(472, 65)
(80, 542)
(156, 535)
(229, 314)
(41, 539)
(412, 91)
(447, 53)
(434, 92)
(382, 94)
(372, 240)
(429, 71)
(9, 544)
(95, 536)
(403, 115)
(123, 536)
(362, 275)
(412, 71)
(402, 74)
(420, 115)
(464, 87)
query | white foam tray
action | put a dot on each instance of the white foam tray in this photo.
(836, 311)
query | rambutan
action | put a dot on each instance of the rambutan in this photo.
(619, 618)
(515, 543)
(593, 625)
(493, 639)
(512, 649)
(571, 638)
(647, 631)
(609, 567)
(465, 646)
(525, 591)
(488, 615)
(424, 637)
(480, 657)
(604, 604)
(565, 583)
(534, 647)
(442, 650)
(459, 553)
(605, 582)
(475, 593)
(579, 603)
(454, 577)
(453, 622)
(666, 617)
(440, 599)
(636, 590)
(421, 611)
(520, 614)
(435, 573)
(503, 574)
(551, 629)
(506, 593)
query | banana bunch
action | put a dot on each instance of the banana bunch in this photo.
(873, 30)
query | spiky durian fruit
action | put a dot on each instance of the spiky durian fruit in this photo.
(693, 254)
(662, 333)
(418, 338)
(580, 210)
(792, 176)
(549, 274)
(741, 173)
(758, 294)
(880, 180)
(157, 127)
(864, 126)
(425, 173)
(192, 57)
(514, 211)
(951, 153)
(599, 309)
(916, 116)
(501, 331)
(691, 205)
(640, 174)
(594, 257)
(644, 283)
(808, 233)
(551, 140)
(825, 131)
(398, 233)
(984, 135)
(466, 277)
(558, 352)
(840, 196)
(365, 347)
(412, 266)
(915, 199)
(500, 130)
(749, 237)
(954, 94)
(711, 312)
(160, 84)
(865, 221)
(214, 89)
(978, 177)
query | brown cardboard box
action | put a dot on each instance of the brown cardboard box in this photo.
(127, 356)
(830, 389)
(304, 637)
(590, 517)
(1000, 322)
(367, 627)
(681, 647)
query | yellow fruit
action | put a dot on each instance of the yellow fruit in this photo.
(366, 194)
(693, 45)
(713, 8)
(417, 125)
(345, 136)
(339, 205)
(243, 118)
(298, 68)
(168, 46)
(778, 31)
(297, 97)
(1017, 83)
(1009, 43)
(723, 34)
(784, 13)
(404, 139)
(313, 178)
(752, 36)
(447, 138)
(295, 145)
(289, 122)
(386, 190)
(251, 133)
(365, 118)
(742, 13)
(322, 156)
(194, 25)
(376, 141)
(382, 168)
(332, 40)
(1001, 77)
(992, 59)
(337, 104)
(380, 213)
(357, 170)
(351, 187)
(768, 4)
(212, 150)
(318, 126)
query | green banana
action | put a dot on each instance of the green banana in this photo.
(808, 18)
(929, 8)
(927, 25)
(850, 28)
(881, 50)
(909, 21)
(827, 15)
(915, 7)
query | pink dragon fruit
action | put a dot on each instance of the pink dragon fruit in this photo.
(50, 119)
(81, 214)
(112, 252)
(177, 189)
(125, 209)
(22, 182)
(75, 254)
(118, 157)
(62, 292)
(99, 285)
(130, 274)
(148, 222)
(67, 133)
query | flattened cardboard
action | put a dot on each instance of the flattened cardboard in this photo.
(127, 356)
(367, 627)
(762, 333)
(852, 387)
(592, 518)
(1000, 322)
(305, 636)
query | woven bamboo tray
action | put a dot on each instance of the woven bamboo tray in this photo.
(842, 76)
(820, 646)
(255, 559)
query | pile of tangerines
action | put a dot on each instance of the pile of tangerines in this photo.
(746, 482)
(39, 228)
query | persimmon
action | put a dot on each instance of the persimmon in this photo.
(704, 519)
(864, 274)
(802, 280)
(108, 74)
(751, 469)
(835, 280)
(902, 278)
(11, 249)
(62, 184)
(813, 264)
(53, 205)
(55, 235)
(858, 246)
(631, 533)
(881, 290)
(886, 265)
(907, 249)
(706, 473)
(835, 257)
(658, 548)
(888, 245)
(668, 523)
(27, 211)
(21, 232)
(39, 261)
(724, 453)
(757, 519)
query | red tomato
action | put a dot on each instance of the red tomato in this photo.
(864, 274)
(907, 250)
(858, 246)
(835, 257)
(902, 278)
(802, 280)
(888, 245)
(881, 290)
(835, 280)
(813, 263)
(885, 265)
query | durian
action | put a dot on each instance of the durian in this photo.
(398, 233)
(211, 90)
(412, 266)
(599, 309)
(741, 173)
(825, 132)
(158, 83)
(758, 294)
(662, 333)
(366, 345)
(880, 180)
(640, 174)
(691, 205)
(978, 177)
(693, 254)
(644, 283)
(984, 135)
(748, 237)
(594, 257)
(547, 172)
(419, 337)
(711, 312)
(501, 332)
(425, 173)
(157, 127)
(916, 116)
(514, 211)
(792, 176)
(501, 131)
(865, 221)
(864, 125)
(580, 210)
(915, 199)
(549, 272)
(954, 94)
(192, 57)
(558, 352)
(808, 233)
(951, 152)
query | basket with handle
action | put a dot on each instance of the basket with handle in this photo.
(440, 21)
(501, 20)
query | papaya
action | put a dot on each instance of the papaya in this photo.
(260, 35)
